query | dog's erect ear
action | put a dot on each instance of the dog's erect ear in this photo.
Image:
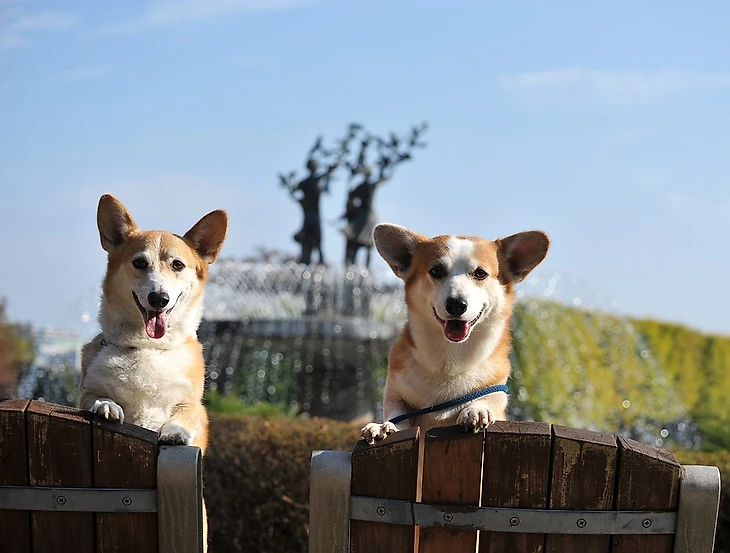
(207, 236)
(523, 252)
(396, 244)
(114, 222)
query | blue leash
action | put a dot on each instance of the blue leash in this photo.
(452, 403)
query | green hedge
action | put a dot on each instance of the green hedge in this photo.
(698, 366)
(640, 377)
(257, 480)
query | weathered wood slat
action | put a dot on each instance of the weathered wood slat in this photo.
(452, 474)
(390, 470)
(59, 454)
(647, 479)
(125, 456)
(14, 525)
(516, 474)
(582, 477)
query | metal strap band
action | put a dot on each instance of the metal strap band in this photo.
(524, 521)
(95, 500)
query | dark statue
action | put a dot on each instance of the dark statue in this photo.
(307, 193)
(359, 213)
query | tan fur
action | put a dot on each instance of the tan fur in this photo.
(425, 366)
(154, 381)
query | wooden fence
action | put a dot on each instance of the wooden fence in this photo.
(518, 487)
(72, 482)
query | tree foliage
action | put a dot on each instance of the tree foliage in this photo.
(15, 353)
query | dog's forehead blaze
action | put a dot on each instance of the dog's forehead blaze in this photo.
(482, 252)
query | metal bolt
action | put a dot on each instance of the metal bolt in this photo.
(646, 523)
(61, 500)
(514, 521)
(126, 501)
(448, 517)
(581, 523)
(382, 511)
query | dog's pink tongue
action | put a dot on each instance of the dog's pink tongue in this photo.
(157, 326)
(456, 331)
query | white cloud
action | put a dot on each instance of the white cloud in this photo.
(596, 88)
(15, 35)
(171, 12)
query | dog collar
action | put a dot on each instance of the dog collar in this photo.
(103, 343)
(451, 403)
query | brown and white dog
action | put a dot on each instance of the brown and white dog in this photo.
(459, 293)
(146, 367)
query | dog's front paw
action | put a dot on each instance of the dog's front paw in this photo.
(108, 409)
(475, 419)
(375, 432)
(174, 434)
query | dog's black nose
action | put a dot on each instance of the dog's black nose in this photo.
(456, 306)
(158, 300)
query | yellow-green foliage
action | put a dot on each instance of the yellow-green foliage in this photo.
(586, 369)
(698, 367)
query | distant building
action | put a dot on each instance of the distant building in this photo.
(54, 347)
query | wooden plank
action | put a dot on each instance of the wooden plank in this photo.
(389, 470)
(647, 479)
(125, 456)
(582, 477)
(516, 474)
(14, 525)
(59, 454)
(452, 474)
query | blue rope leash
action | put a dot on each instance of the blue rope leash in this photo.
(452, 403)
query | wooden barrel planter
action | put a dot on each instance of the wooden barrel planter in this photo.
(71, 481)
(517, 487)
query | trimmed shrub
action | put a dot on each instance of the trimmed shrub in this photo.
(257, 479)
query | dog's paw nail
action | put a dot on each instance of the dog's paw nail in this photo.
(474, 419)
(108, 409)
(174, 434)
(375, 432)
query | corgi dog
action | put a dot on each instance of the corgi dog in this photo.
(459, 293)
(146, 367)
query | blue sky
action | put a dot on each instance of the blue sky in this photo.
(605, 125)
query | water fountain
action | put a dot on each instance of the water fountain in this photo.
(312, 338)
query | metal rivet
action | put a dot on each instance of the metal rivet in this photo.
(126, 501)
(646, 523)
(448, 517)
(382, 511)
(514, 521)
(61, 500)
(581, 523)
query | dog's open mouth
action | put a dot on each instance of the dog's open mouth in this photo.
(455, 329)
(155, 322)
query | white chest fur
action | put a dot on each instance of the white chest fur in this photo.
(146, 383)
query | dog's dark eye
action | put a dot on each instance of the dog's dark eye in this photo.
(480, 274)
(140, 264)
(437, 271)
(178, 265)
